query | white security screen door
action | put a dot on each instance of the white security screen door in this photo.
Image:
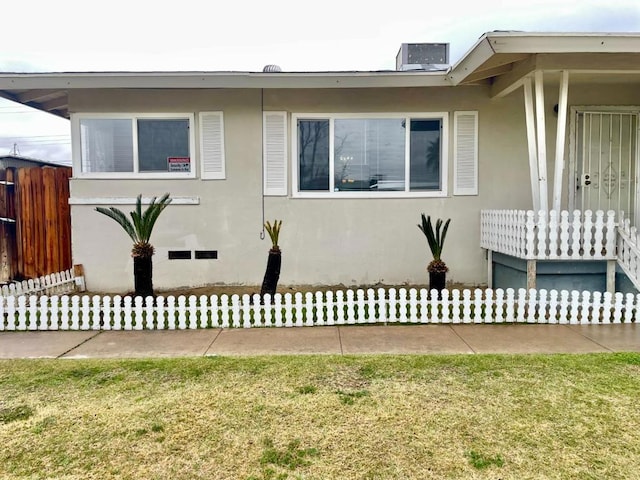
(606, 161)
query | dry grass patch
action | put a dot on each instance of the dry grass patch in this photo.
(322, 417)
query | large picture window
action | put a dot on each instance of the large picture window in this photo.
(123, 145)
(375, 154)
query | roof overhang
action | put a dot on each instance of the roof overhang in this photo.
(504, 59)
(49, 91)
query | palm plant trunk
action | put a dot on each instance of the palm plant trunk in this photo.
(272, 274)
(143, 275)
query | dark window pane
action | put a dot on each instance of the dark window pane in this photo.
(369, 154)
(425, 155)
(313, 154)
(160, 139)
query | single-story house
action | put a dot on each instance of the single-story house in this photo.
(349, 161)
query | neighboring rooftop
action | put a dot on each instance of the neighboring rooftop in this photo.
(9, 158)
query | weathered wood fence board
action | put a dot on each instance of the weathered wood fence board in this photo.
(43, 221)
(8, 245)
(316, 309)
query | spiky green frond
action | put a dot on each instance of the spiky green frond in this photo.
(140, 226)
(152, 213)
(121, 219)
(436, 238)
(273, 231)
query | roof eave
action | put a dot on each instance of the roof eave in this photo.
(220, 80)
(53, 88)
(526, 43)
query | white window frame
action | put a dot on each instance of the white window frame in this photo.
(76, 147)
(408, 116)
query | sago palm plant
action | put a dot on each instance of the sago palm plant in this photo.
(274, 262)
(139, 229)
(435, 239)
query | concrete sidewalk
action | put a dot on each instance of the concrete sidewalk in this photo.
(342, 340)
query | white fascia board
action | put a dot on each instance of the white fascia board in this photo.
(171, 80)
(471, 61)
(502, 42)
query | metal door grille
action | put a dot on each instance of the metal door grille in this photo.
(607, 158)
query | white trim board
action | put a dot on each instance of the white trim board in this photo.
(130, 200)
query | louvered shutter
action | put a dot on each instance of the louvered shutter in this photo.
(212, 145)
(275, 153)
(465, 153)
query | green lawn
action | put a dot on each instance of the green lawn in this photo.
(322, 417)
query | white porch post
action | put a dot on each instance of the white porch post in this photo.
(542, 141)
(560, 134)
(531, 143)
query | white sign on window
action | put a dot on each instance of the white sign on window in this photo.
(179, 164)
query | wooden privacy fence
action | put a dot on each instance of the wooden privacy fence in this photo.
(43, 220)
(550, 235)
(35, 222)
(317, 309)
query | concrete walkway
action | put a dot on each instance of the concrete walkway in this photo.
(343, 340)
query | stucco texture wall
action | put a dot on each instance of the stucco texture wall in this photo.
(323, 241)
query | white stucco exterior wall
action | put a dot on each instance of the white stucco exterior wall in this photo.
(324, 241)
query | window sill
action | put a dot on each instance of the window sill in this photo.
(368, 195)
(134, 176)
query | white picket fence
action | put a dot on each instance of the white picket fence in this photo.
(548, 235)
(54, 284)
(316, 309)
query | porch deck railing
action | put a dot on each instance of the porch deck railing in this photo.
(380, 306)
(550, 235)
(629, 250)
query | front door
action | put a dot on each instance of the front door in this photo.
(606, 152)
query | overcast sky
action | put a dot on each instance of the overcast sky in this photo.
(66, 35)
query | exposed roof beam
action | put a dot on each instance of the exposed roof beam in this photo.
(600, 63)
(36, 95)
(494, 65)
(488, 73)
(509, 82)
(55, 104)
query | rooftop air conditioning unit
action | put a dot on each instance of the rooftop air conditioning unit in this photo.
(423, 56)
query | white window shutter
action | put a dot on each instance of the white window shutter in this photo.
(274, 148)
(212, 145)
(465, 153)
